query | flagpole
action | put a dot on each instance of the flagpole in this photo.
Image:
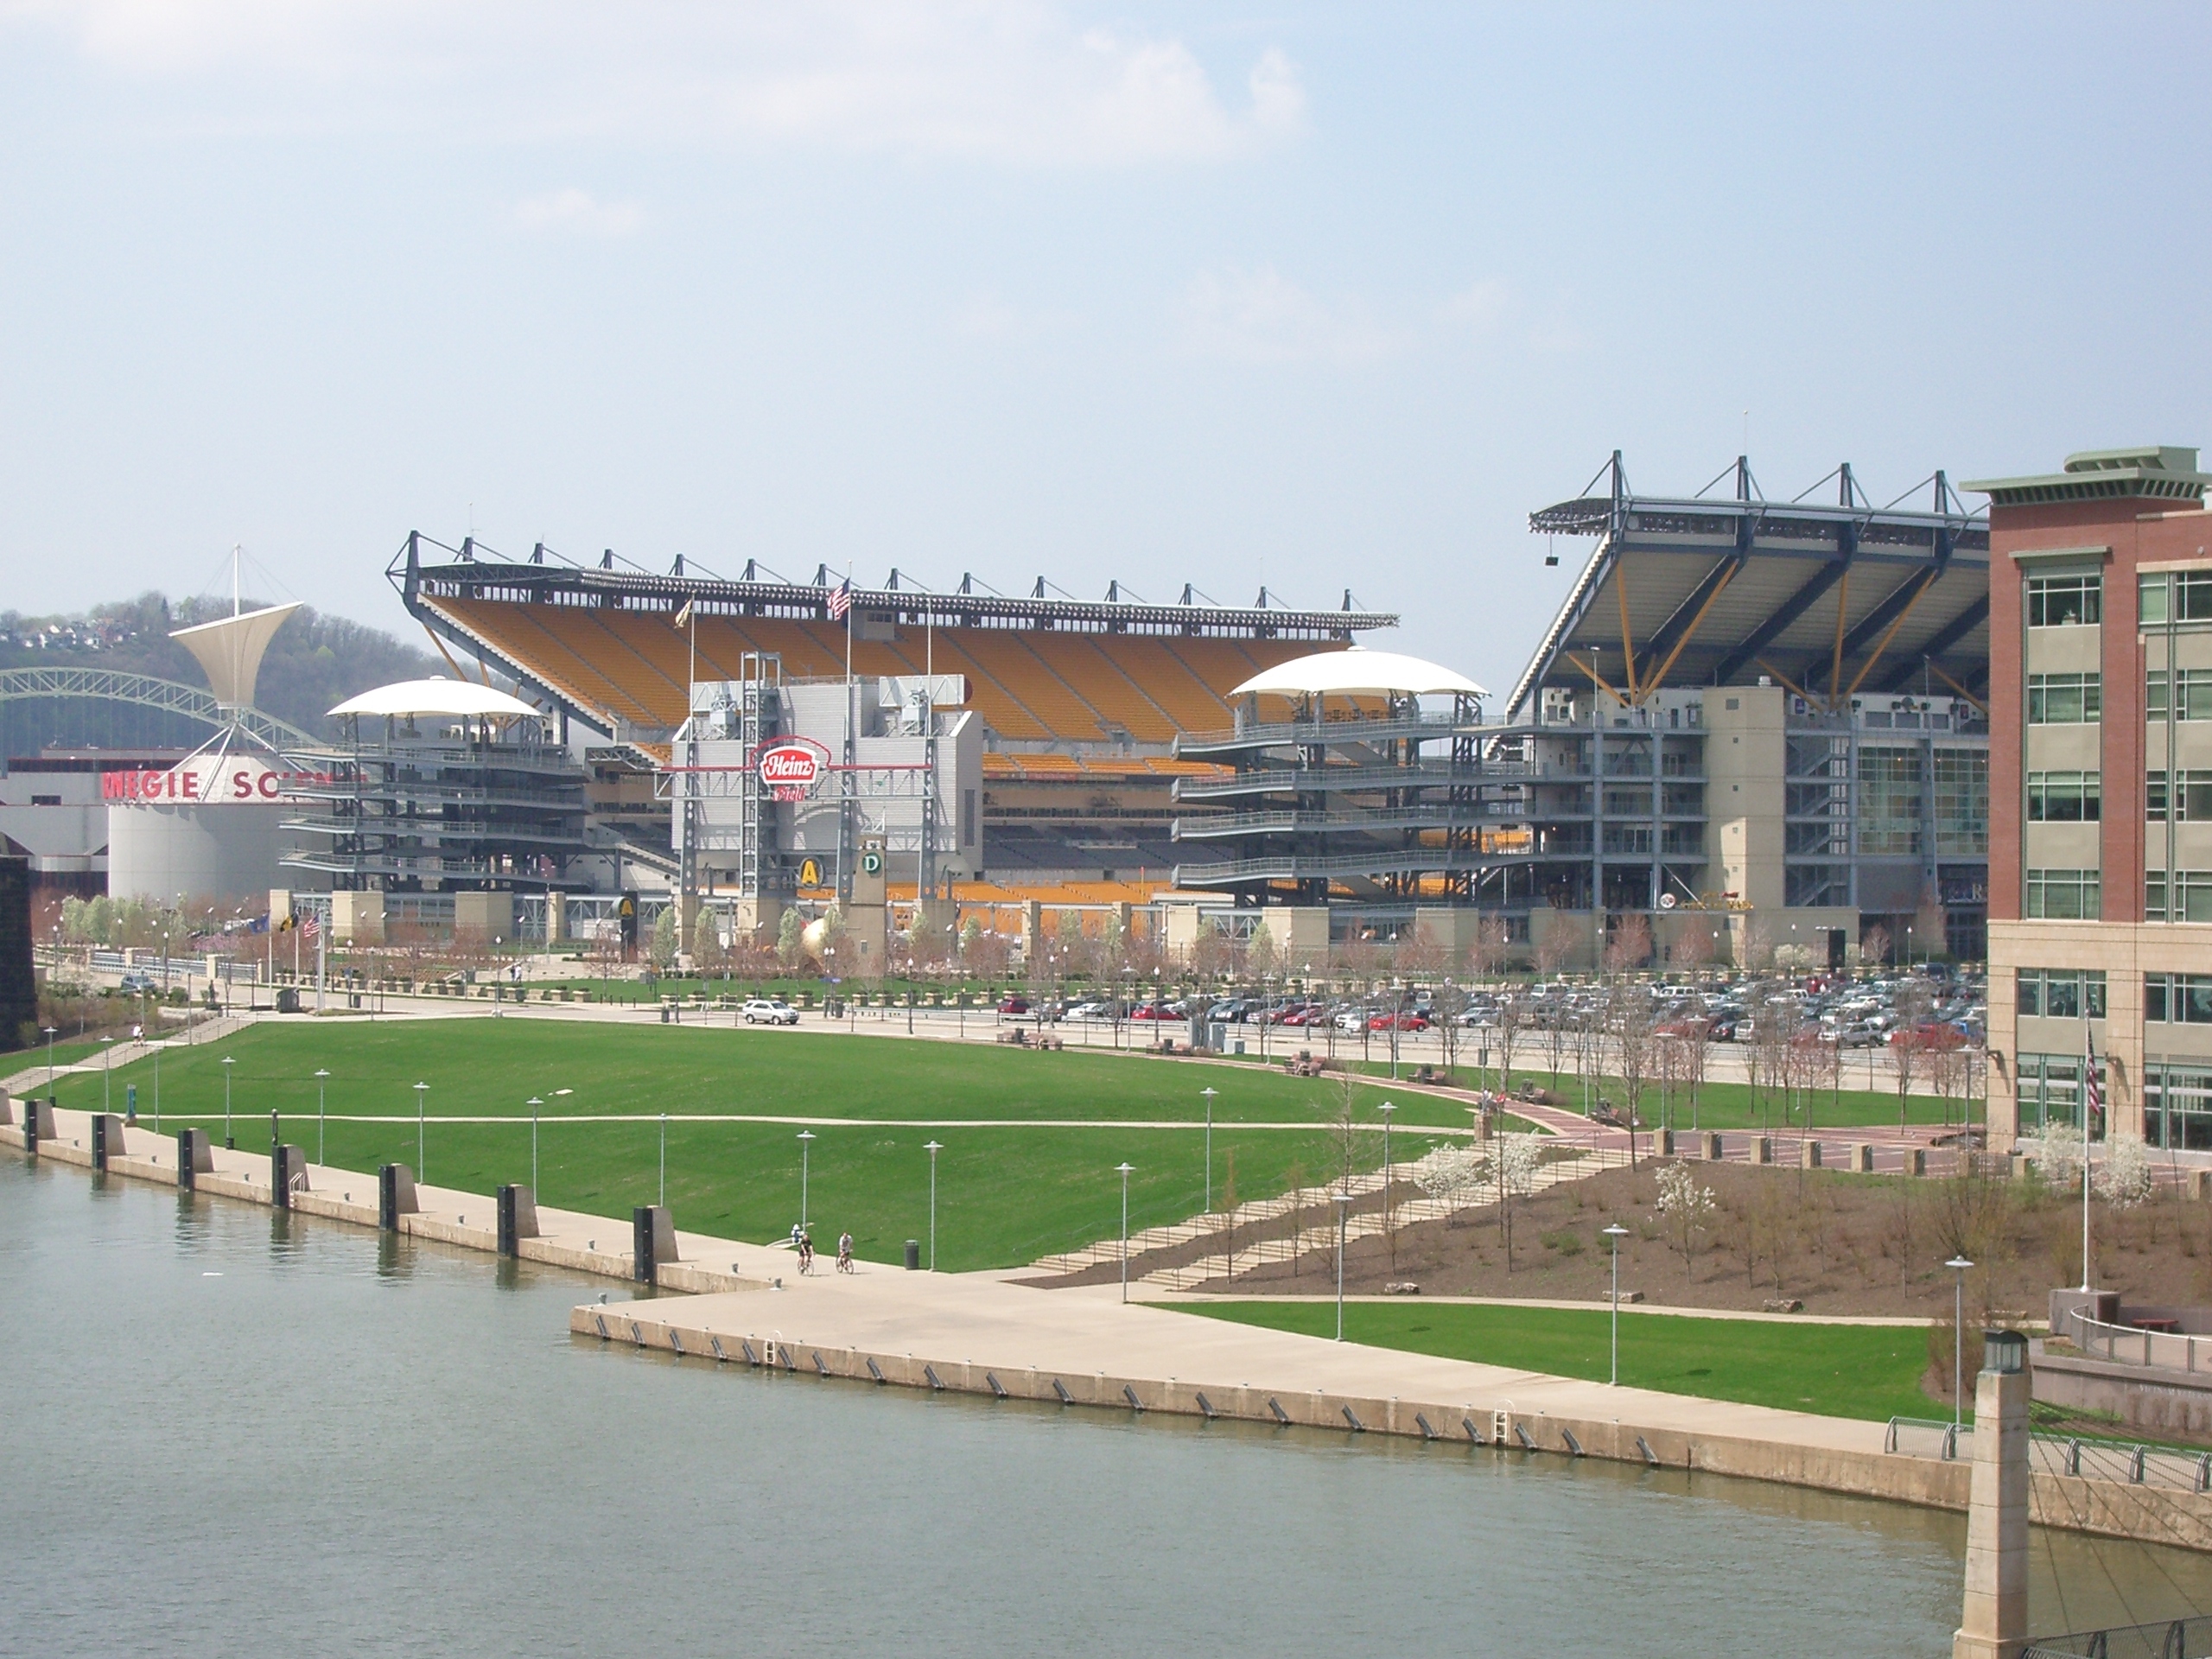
(2089, 1093)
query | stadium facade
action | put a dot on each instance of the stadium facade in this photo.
(1759, 721)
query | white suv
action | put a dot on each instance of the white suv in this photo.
(773, 1009)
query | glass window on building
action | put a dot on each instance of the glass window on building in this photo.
(2062, 992)
(2063, 602)
(2179, 595)
(2065, 895)
(2192, 896)
(2177, 999)
(2178, 1106)
(2193, 805)
(2194, 701)
(2064, 796)
(2065, 699)
(2049, 1090)
(1888, 801)
(1962, 801)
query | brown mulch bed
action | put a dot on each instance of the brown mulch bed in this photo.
(1840, 1243)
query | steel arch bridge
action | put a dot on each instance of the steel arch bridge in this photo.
(144, 691)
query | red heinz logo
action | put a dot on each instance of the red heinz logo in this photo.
(794, 765)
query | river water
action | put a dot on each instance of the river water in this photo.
(230, 1430)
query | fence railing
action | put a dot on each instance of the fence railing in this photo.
(2128, 1345)
(2125, 1462)
(2175, 1638)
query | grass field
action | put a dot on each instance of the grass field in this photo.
(1030, 1140)
(1837, 1370)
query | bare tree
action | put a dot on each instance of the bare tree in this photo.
(1487, 959)
(1629, 1013)
(1630, 946)
(1693, 948)
(1874, 945)
(1909, 1043)
(1512, 1021)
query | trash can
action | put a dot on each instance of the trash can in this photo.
(913, 1255)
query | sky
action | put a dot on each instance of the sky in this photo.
(1314, 297)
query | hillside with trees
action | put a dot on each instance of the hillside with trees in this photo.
(315, 662)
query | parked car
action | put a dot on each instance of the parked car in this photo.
(138, 985)
(769, 1010)
(1397, 1022)
(1150, 1010)
(1014, 1005)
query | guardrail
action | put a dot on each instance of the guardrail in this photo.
(2128, 1345)
(2125, 1462)
(2175, 1638)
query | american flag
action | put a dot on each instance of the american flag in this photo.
(312, 926)
(2093, 1093)
(840, 599)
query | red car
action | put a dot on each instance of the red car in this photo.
(1931, 1037)
(1150, 1010)
(1398, 1023)
(1014, 1004)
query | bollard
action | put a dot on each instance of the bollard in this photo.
(1662, 1144)
(1916, 1161)
(107, 1138)
(653, 1241)
(2200, 1185)
(195, 1156)
(1712, 1148)
(288, 1173)
(1762, 1149)
(517, 1218)
(1862, 1159)
(38, 1123)
(1808, 1154)
(395, 1195)
(913, 1255)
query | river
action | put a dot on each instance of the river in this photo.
(232, 1430)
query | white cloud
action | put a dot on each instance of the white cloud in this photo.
(577, 213)
(1260, 316)
(1011, 81)
(1477, 309)
(987, 316)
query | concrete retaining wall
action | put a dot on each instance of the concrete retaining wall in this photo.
(2145, 1513)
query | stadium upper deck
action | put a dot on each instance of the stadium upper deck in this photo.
(1829, 598)
(1045, 674)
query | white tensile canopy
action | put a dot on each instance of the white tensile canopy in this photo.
(458, 698)
(230, 651)
(1360, 673)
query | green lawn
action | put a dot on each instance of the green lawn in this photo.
(1728, 1105)
(1008, 1191)
(1838, 1370)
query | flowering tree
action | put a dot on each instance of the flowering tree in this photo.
(2123, 1179)
(1685, 1206)
(1515, 1161)
(2057, 1152)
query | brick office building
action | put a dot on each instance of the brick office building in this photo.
(2100, 796)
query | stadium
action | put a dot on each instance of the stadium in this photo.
(1743, 708)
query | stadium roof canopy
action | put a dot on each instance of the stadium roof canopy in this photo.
(437, 696)
(1831, 599)
(1359, 672)
(595, 641)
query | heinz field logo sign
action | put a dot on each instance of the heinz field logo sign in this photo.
(791, 769)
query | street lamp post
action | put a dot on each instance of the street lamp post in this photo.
(1390, 1232)
(321, 1119)
(932, 1148)
(1207, 1095)
(1616, 1232)
(663, 1160)
(228, 1143)
(107, 1053)
(534, 1102)
(1122, 1170)
(1959, 1265)
(49, 1056)
(805, 1148)
(158, 1046)
(421, 1163)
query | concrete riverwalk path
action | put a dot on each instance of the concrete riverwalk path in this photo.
(985, 1334)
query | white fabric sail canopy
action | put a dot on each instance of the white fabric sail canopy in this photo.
(437, 696)
(1359, 672)
(230, 651)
